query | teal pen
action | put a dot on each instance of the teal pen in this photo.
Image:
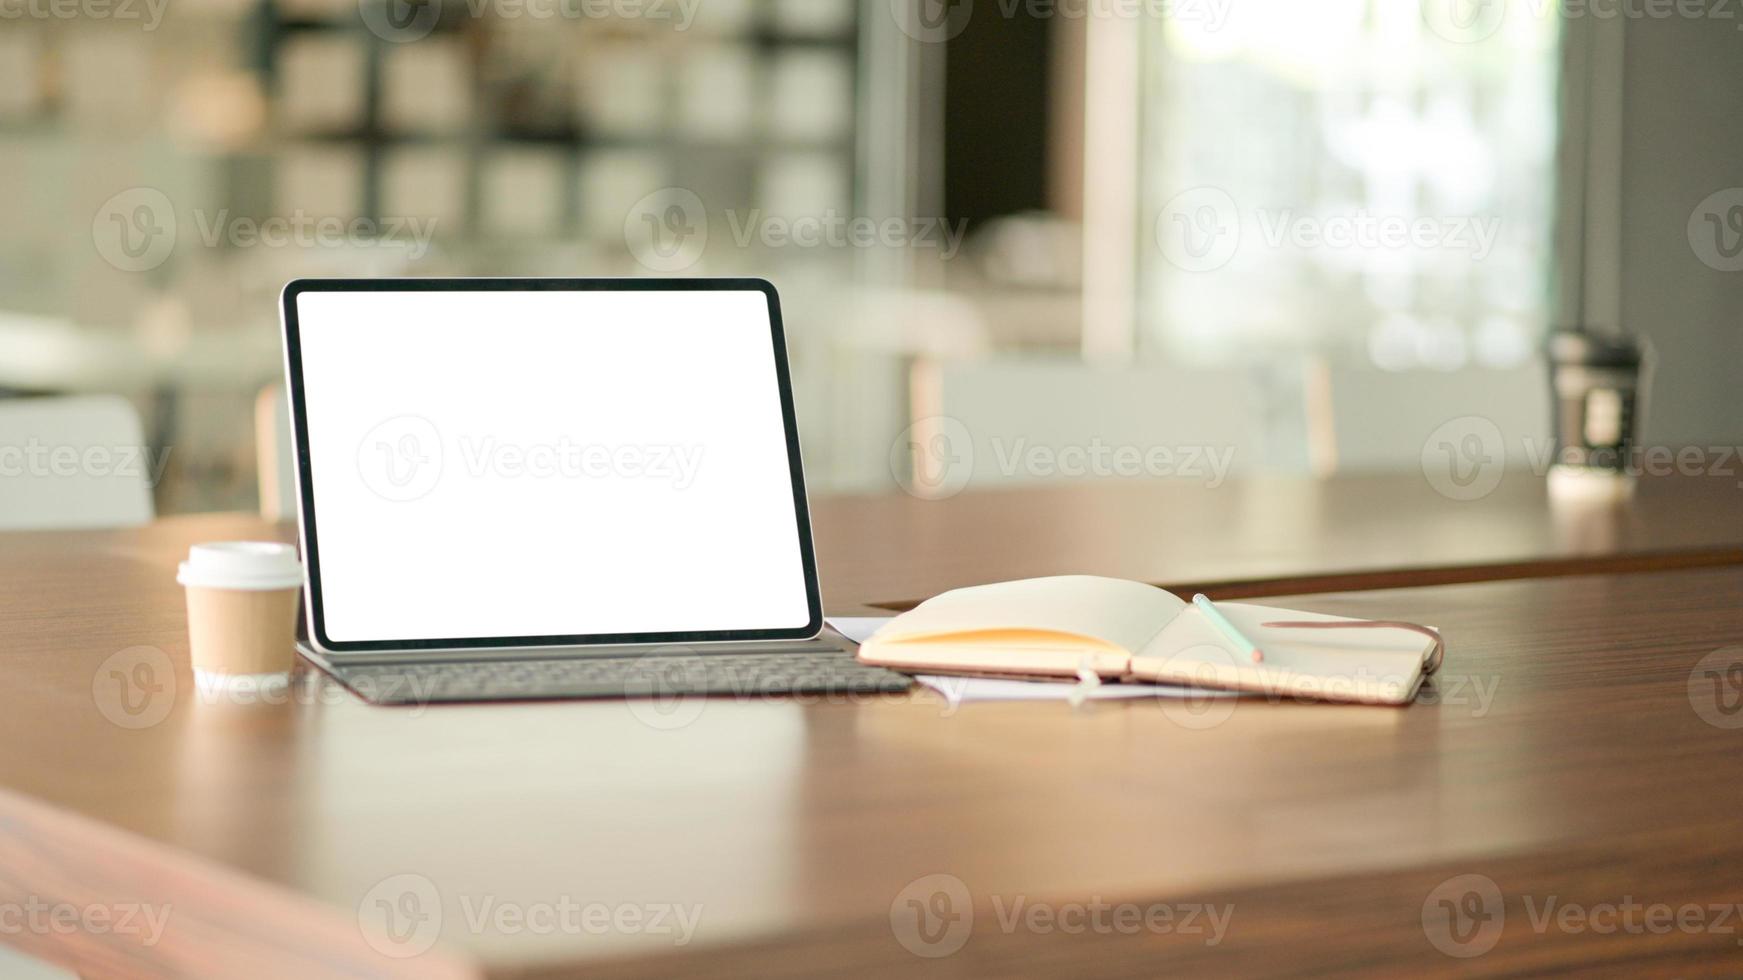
(1221, 622)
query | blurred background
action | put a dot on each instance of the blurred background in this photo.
(1311, 234)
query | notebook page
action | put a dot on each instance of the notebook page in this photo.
(1114, 611)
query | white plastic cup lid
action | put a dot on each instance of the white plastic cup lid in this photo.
(242, 565)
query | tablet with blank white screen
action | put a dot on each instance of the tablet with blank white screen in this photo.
(520, 463)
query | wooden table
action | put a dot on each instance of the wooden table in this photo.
(1271, 536)
(1580, 744)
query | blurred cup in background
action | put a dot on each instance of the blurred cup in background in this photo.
(1600, 388)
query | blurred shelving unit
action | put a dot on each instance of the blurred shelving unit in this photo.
(516, 130)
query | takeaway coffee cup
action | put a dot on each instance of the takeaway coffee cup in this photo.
(242, 607)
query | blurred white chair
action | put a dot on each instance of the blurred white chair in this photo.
(69, 463)
(275, 455)
(852, 350)
(1009, 420)
(1365, 419)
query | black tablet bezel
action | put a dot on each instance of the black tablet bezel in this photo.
(305, 475)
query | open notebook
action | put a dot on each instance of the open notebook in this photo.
(1127, 631)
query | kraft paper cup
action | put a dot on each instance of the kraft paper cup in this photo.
(242, 608)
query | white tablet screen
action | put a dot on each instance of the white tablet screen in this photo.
(548, 464)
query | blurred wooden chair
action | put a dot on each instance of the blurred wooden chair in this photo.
(73, 463)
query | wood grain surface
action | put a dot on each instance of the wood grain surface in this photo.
(1269, 536)
(1581, 746)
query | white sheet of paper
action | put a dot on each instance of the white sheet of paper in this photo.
(960, 690)
(963, 690)
(858, 628)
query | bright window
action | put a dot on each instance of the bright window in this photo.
(1369, 179)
